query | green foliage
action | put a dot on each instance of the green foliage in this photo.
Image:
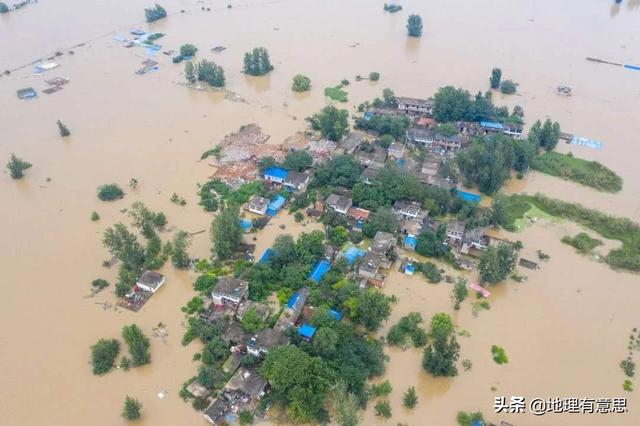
(153, 37)
(545, 135)
(331, 122)
(508, 87)
(389, 98)
(408, 326)
(382, 220)
(410, 399)
(110, 192)
(209, 72)
(451, 104)
(628, 366)
(448, 129)
(336, 93)
(430, 270)
(215, 151)
(251, 321)
(298, 161)
(432, 244)
(588, 173)
(178, 200)
(338, 236)
(132, 407)
(138, 344)
(394, 125)
(383, 409)
(211, 377)
(95, 216)
(245, 417)
(443, 350)
(505, 211)
(499, 355)
(179, 256)
(301, 83)
(125, 363)
(345, 405)
(17, 166)
(628, 385)
(374, 76)
(468, 419)
(414, 26)
(226, 232)
(214, 352)
(62, 129)
(459, 292)
(497, 263)
(496, 76)
(298, 217)
(99, 284)
(195, 305)
(582, 242)
(382, 388)
(392, 8)
(257, 62)
(155, 13)
(103, 355)
(372, 308)
(188, 50)
(385, 141)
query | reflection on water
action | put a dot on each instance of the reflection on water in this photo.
(412, 45)
(260, 84)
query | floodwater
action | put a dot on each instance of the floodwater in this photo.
(565, 330)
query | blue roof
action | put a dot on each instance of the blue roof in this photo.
(294, 299)
(320, 271)
(245, 224)
(276, 172)
(469, 196)
(410, 241)
(368, 115)
(409, 269)
(336, 315)
(275, 205)
(491, 125)
(352, 254)
(307, 331)
(266, 256)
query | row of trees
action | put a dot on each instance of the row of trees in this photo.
(257, 62)
(105, 352)
(155, 13)
(206, 71)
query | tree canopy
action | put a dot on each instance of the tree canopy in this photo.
(226, 232)
(301, 83)
(442, 350)
(414, 26)
(138, 344)
(332, 122)
(257, 62)
(155, 13)
(17, 166)
(298, 160)
(104, 354)
(545, 135)
(497, 263)
(496, 76)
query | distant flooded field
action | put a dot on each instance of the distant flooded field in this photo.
(565, 329)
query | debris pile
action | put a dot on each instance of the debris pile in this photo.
(246, 144)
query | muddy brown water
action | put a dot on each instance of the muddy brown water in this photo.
(565, 330)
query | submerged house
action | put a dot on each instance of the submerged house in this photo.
(229, 291)
(297, 181)
(258, 205)
(150, 281)
(415, 106)
(339, 203)
(474, 239)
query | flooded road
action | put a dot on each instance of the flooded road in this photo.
(560, 341)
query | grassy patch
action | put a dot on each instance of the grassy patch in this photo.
(336, 93)
(610, 227)
(588, 173)
(582, 242)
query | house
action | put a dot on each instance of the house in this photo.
(266, 339)
(229, 291)
(370, 265)
(474, 239)
(415, 106)
(513, 129)
(216, 412)
(297, 181)
(275, 205)
(411, 226)
(296, 303)
(383, 243)
(232, 334)
(150, 281)
(491, 127)
(258, 205)
(418, 136)
(351, 142)
(339, 203)
(275, 174)
(396, 150)
(410, 241)
(260, 308)
(455, 230)
(407, 209)
(434, 140)
(247, 385)
(371, 156)
(430, 224)
(359, 217)
(369, 175)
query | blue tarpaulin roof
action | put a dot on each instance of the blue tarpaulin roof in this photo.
(267, 255)
(409, 269)
(410, 241)
(307, 331)
(469, 196)
(368, 115)
(245, 224)
(320, 270)
(275, 205)
(276, 172)
(352, 254)
(293, 300)
(336, 315)
(491, 125)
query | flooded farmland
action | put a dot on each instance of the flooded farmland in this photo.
(565, 329)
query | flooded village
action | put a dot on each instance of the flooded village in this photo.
(360, 224)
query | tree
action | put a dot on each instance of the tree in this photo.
(469, 419)
(443, 350)
(459, 292)
(297, 380)
(414, 26)
(451, 104)
(95, 216)
(383, 409)
(338, 236)
(226, 232)
(298, 160)
(124, 245)
(390, 100)
(341, 170)
(179, 255)
(4, 8)
(210, 376)
(331, 122)
(62, 129)
(257, 62)
(131, 409)
(496, 76)
(214, 351)
(386, 141)
(17, 166)
(138, 344)
(301, 83)
(496, 264)
(508, 87)
(545, 136)
(155, 13)
(188, 50)
(410, 399)
(488, 162)
(345, 405)
(251, 321)
(374, 76)
(103, 355)
(211, 73)
(383, 220)
(110, 192)
(372, 308)
(190, 73)
(432, 244)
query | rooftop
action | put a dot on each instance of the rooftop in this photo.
(247, 381)
(414, 101)
(382, 242)
(407, 207)
(358, 213)
(276, 172)
(456, 226)
(339, 201)
(258, 202)
(296, 178)
(233, 287)
(371, 262)
(151, 279)
(269, 338)
(351, 142)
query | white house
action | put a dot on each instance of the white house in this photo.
(150, 281)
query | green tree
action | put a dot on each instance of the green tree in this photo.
(124, 245)
(155, 13)
(95, 216)
(469, 419)
(383, 409)
(383, 220)
(17, 166)
(386, 141)
(488, 162)
(545, 135)
(211, 73)
(508, 87)
(179, 255)
(257, 62)
(341, 170)
(325, 341)
(251, 321)
(210, 376)
(345, 405)
(432, 244)
(496, 76)
(138, 344)
(110, 192)
(190, 73)
(451, 104)
(245, 417)
(410, 399)
(226, 232)
(448, 129)
(374, 76)
(332, 122)
(62, 129)
(301, 83)
(414, 26)
(338, 236)
(443, 350)
(390, 99)
(497, 263)
(103, 355)
(131, 409)
(298, 380)
(459, 292)
(215, 351)
(372, 308)
(298, 160)
(188, 50)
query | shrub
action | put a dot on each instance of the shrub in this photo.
(301, 83)
(298, 217)
(382, 389)
(628, 366)
(336, 93)
(383, 409)
(188, 50)
(138, 344)
(17, 166)
(410, 399)
(62, 129)
(582, 242)
(155, 13)
(103, 355)
(245, 418)
(374, 76)
(131, 409)
(469, 419)
(508, 87)
(95, 217)
(100, 284)
(499, 355)
(110, 192)
(628, 385)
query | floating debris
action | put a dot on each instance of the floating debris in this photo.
(27, 93)
(218, 49)
(563, 90)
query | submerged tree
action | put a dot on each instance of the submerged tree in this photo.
(64, 130)
(508, 87)
(496, 264)
(110, 192)
(226, 232)
(138, 344)
(155, 13)
(17, 166)
(301, 83)
(103, 355)
(443, 350)
(210, 72)
(190, 73)
(545, 135)
(179, 255)
(3, 8)
(257, 62)
(496, 76)
(414, 26)
(131, 409)
(331, 122)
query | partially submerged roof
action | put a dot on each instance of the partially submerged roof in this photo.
(151, 279)
(276, 204)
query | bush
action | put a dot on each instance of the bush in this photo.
(188, 50)
(336, 93)
(245, 417)
(628, 366)
(468, 419)
(383, 409)
(17, 166)
(138, 344)
(95, 217)
(100, 284)
(508, 87)
(374, 76)
(499, 355)
(155, 13)
(414, 26)
(301, 83)
(110, 192)
(257, 62)
(131, 409)
(628, 385)
(382, 389)
(103, 355)
(410, 399)
(298, 217)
